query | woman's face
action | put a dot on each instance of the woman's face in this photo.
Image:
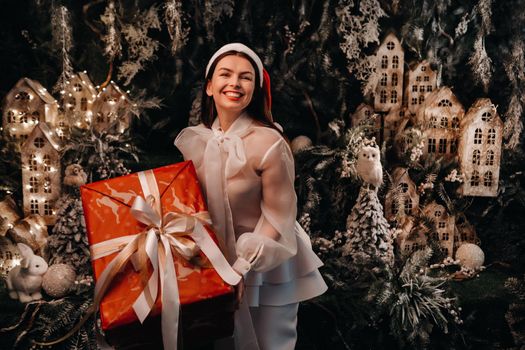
(232, 84)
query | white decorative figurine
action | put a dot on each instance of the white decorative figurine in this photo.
(369, 167)
(25, 280)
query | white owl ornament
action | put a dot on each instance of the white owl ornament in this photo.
(368, 165)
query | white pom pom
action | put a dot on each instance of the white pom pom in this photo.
(300, 142)
(470, 256)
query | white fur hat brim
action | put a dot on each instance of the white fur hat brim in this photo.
(238, 47)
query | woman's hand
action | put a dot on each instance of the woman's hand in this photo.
(239, 292)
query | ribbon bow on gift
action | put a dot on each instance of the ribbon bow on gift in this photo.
(184, 232)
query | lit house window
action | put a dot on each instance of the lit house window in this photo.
(47, 208)
(408, 205)
(383, 79)
(47, 185)
(33, 164)
(46, 162)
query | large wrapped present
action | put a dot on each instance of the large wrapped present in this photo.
(153, 250)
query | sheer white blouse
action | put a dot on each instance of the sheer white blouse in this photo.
(247, 174)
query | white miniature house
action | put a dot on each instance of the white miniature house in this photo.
(109, 108)
(78, 98)
(41, 172)
(439, 117)
(402, 199)
(27, 104)
(389, 68)
(445, 226)
(422, 80)
(480, 149)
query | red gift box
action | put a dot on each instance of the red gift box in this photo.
(110, 210)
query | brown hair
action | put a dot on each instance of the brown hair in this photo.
(258, 108)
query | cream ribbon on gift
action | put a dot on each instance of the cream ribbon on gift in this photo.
(154, 245)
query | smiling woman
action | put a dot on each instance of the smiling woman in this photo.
(247, 171)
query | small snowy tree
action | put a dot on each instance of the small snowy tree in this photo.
(369, 238)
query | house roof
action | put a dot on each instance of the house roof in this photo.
(89, 84)
(49, 135)
(39, 90)
(481, 104)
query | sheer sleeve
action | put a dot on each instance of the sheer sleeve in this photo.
(273, 240)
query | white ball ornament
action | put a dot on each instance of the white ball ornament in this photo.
(470, 256)
(58, 280)
(300, 143)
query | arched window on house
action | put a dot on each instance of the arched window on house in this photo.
(433, 122)
(477, 136)
(46, 160)
(404, 187)
(487, 179)
(47, 185)
(394, 79)
(476, 157)
(474, 179)
(395, 62)
(33, 164)
(444, 122)
(491, 137)
(34, 206)
(445, 103)
(455, 123)
(47, 208)
(83, 104)
(408, 205)
(421, 99)
(393, 96)
(33, 184)
(382, 96)
(490, 157)
(486, 116)
(384, 62)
